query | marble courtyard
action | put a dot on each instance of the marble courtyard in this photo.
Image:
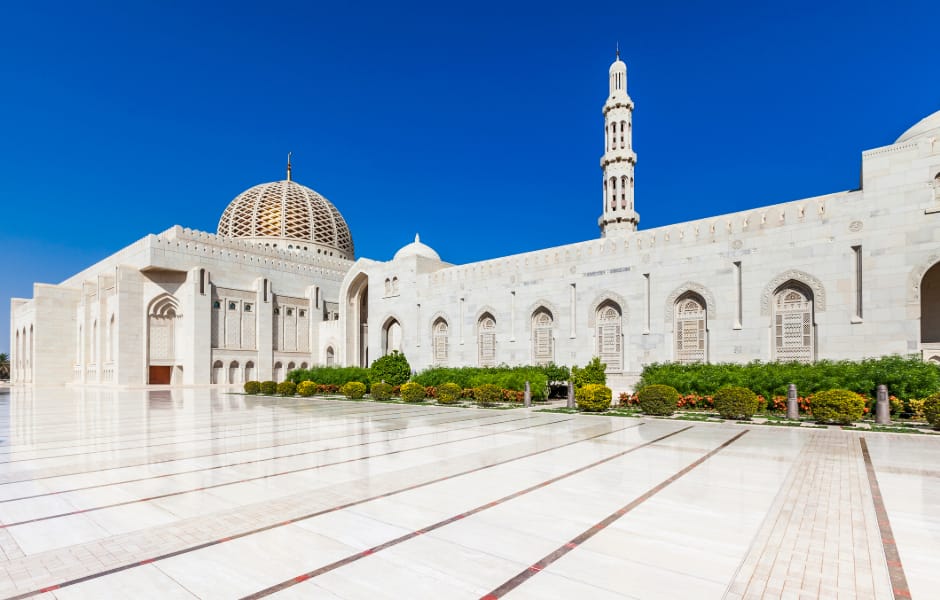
(203, 493)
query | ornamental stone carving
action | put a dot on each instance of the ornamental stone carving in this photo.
(814, 284)
(689, 286)
(917, 276)
(604, 297)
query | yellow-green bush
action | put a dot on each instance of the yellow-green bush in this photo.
(412, 392)
(354, 390)
(733, 402)
(381, 391)
(252, 387)
(306, 388)
(593, 397)
(658, 399)
(837, 406)
(487, 394)
(932, 410)
(268, 388)
(448, 393)
(286, 388)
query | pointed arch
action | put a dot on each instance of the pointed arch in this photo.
(698, 289)
(807, 280)
(392, 333)
(608, 334)
(608, 297)
(690, 337)
(930, 308)
(486, 339)
(440, 334)
(793, 322)
(542, 327)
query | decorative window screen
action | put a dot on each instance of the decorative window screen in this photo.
(609, 338)
(487, 341)
(793, 326)
(690, 331)
(542, 346)
(440, 342)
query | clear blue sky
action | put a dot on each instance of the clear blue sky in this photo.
(476, 124)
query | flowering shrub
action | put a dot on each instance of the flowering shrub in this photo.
(307, 388)
(658, 399)
(839, 406)
(268, 388)
(448, 393)
(487, 394)
(734, 402)
(430, 391)
(932, 410)
(252, 387)
(286, 388)
(593, 397)
(354, 390)
(381, 391)
(412, 392)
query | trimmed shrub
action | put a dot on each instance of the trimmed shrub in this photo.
(508, 378)
(593, 397)
(381, 391)
(354, 390)
(286, 388)
(307, 388)
(336, 376)
(392, 368)
(734, 402)
(448, 393)
(932, 410)
(268, 388)
(661, 400)
(837, 406)
(252, 387)
(487, 394)
(412, 392)
(593, 372)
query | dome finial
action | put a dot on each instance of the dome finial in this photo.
(288, 166)
(417, 238)
(618, 49)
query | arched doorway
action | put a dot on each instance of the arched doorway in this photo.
(357, 322)
(163, 317)
(330, 356)
(233, 372)
(217, 367)
(249, 371)
(930, 313)
(278, 372)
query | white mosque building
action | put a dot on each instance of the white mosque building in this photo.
(843, 275)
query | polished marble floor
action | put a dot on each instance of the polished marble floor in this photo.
(200, 493)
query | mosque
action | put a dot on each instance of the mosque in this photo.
(843, 275)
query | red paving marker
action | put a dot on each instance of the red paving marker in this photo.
(409, 536)
(527, 574)
(409, 488)
(892, 557)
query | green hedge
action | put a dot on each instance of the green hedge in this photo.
(337, 376)
(837, 406)
(507, 378)
(907, 377)
(658, 399)
(593, 397)
(733, 402)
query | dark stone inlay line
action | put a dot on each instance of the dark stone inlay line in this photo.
(408, 536)
(584, 536)
(258, 460)
(339, 507)
(213, 486)
(895, 568)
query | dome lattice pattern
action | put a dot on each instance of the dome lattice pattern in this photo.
(286, 209)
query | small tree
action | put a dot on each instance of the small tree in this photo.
(392, 369)
(593, 372)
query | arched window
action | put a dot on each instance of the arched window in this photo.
(439, 341)
(609, 336)
(233, 372)
(303, 365)
(388, 286)
(94, 342)
(217, 371)
(391, 336)
(794, 330)
(613, 193)
(613, 135)
(249, 371)
(623, 126)
(691, 331)
(278, 371)
(543, 349)
(330, 356)
(936, 187)
(623, 192)
(930, 308)
(291, 366)
(395, 286)
(486, 340)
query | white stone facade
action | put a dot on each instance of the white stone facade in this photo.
(844, 275)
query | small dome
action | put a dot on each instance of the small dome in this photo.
(927, 127)
(416, 248)
(289, 211)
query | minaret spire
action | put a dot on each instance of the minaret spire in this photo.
(288, 166)
(618, 161)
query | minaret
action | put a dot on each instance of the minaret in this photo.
(619, 159)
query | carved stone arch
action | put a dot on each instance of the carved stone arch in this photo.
(811, 282)
(916, 277)
(164, 305)
(542, 303)
(614, 297)
(669, 310)
(434, 318)
(387, 345)
(483, 310)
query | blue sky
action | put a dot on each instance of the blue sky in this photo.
(476, 124)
